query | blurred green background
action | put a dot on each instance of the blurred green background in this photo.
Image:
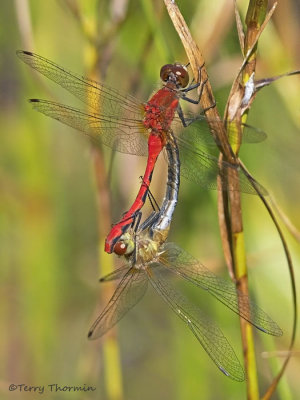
(51, 214)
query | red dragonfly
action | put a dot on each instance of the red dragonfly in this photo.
(129, 126)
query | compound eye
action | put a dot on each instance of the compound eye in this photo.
(165, 72)
(181, 74)
(176, 71)
(120, 248)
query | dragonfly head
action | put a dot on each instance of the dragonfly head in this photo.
(175, 74)
(124, 246)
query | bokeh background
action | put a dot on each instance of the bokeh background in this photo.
(53, 215)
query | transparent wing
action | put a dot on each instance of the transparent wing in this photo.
(207, 332)
(250, 134)
(203, 169)
(109, 101)
(117, 122)
(101, 98)
(115, 275)
(129, 292)
(127, 137)
(124, 136)
(183, 264)
(200, 133)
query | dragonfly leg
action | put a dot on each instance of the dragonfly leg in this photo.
(151, 197)
(188, 121)
(193, 85)
(136, 221)
(200, 84)
(152, 217)
(213, 105)
(185, 122)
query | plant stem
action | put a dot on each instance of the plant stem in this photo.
(255, 17)
(111, 352)
(231, 201)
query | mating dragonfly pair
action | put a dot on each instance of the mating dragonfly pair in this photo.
(129, 126)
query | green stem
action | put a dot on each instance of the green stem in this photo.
(111, 351)
(255, 16)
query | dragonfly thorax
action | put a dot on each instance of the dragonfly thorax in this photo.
(147, 250)
(160, 110)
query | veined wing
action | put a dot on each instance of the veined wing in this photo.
(129, 292)
(116, 275)
(125, 136)
(110, 102)
(129, 136)
(117, 121)
(207, 332)
(181, 263)
(101, 98)
(199, 132)
(203, 169)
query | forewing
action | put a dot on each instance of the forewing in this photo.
(116, 275)
(123, 136)
(129, 292)
(207, 332)
(185, 265)
(101, 98)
